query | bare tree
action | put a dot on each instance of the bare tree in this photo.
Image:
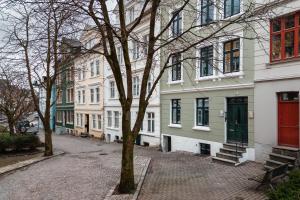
(34, 36)
(162, 43)
(15, 98)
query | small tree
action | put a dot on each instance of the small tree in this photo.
(15, 98)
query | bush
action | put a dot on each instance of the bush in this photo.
(18, 142)
(289, 190)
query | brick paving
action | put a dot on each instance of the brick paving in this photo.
(183, 176)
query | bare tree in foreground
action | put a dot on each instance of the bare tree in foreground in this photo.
(15, 98)
(34, 34)
(160, 44)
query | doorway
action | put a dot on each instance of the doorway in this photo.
(87, 124)
(237, 120)
(167, 143)
(288, 119)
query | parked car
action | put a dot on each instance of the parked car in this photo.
(22, 126)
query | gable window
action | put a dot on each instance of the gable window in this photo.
(116, 119)
(176, 67)
(151, 121)
(136, 49)
(176, 109)
(136, 86)
(206, 61)
(92, 95)
(202, 112)
(207, 11)
(285, 32)
(176, 23)
(112, 89)
(92, 69)
(109, 118)
(97, 67)
(231, 59)
(231, 7)
(99, 122)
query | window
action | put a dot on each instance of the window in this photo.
(149, 85)
(112, 89)
(83, 96)
(142, 124)
(176, 67)
(94, 120)
(120, 55)
(131, 14)
(81, 120)
(77, 119)
(92, 69)
(97, 67)
(285, 32)
(206, 61)
(116, 119)
(176, 109)
(70, 117)
(97, 95)
(70, 95)
(99, 122)
(145, 45)
(92, 95)
(79, 96)
(207, 11)
(83, 72)
(136, 86)
(150, 122)
(109, 118)
(202, 112)
(231, 59)
(136, 49)
(176, 23)
(231, 7)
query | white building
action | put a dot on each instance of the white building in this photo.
(150, 131)
(277, 81)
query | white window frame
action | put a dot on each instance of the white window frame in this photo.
(135, 50)
(136, 86)
(170, 81)
(112, 89)
(196, 127)
(151, 121)
(109, 119)
(99, 122)
(92, 95)
(199, 13)
(116, 119)
(97, 93)
(170, 115)
(92, 68)
(97, 65)
(170, 17)
(94, 125)
(131, 14)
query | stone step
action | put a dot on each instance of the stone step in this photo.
(286, 151)
(228, 156)
(282, 158)
(225, 161)
(266, 167)
(274, 163)
(234, 147)
(231, 151)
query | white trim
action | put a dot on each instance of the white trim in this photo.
(171, 10)
(181, 81)
(212, 88)
(201, 128)
(175, 125)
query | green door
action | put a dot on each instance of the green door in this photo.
(237, 120)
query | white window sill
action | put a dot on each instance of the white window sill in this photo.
(78, 126)
(201, 128)
(95, 129)
(94, 103)
(175, 126)
(233, 74)
(113, 98)
(112, 128)
(80, 104)
(175, 82)
(205, 78)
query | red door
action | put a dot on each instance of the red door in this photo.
(288, 119)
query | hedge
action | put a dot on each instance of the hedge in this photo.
(288, 190)
(18, 142)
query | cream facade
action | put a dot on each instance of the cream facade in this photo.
(89, 91)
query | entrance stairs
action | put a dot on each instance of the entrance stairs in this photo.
(281, 155)
(231, 154)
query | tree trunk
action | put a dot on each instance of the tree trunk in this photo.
(48, 141)
(11, 127)
(127, 184)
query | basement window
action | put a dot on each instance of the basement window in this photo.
(204, 149)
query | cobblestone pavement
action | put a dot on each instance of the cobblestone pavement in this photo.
(183, 176)
(90, 168)
(86, 172)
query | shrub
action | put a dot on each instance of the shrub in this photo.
(289, 190)
(18, 142)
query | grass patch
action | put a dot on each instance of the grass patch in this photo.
(288, 190)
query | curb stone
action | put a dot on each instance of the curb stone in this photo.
(26, 163)
(135, 195)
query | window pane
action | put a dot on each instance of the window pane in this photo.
(236, 61)
(199, 117)
(289, 44)
(236, 6)
(290, 21)
(276, 25)
(227, 8)
(276, 47)
(227, 58)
